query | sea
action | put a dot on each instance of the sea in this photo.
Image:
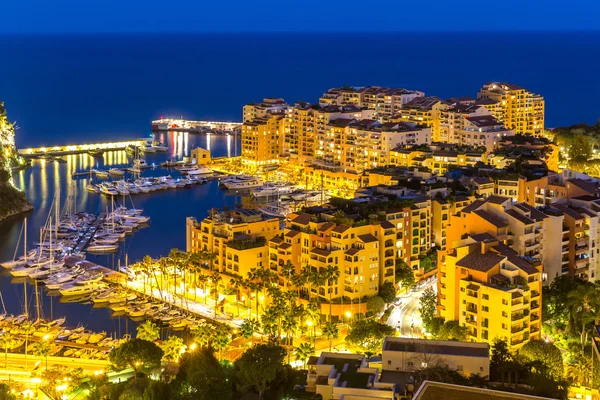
(70, 89)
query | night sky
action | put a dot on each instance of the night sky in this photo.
(72, 16)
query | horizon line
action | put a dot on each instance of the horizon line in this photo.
(390, 31)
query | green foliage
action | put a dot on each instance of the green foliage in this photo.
(452, 330)
(366, 336)
(429, 262)
(259, 366)
(137, 354)
(375, 305)
(546, 353)
(148, 331)
(387, 292)
(12, 200)
(5, 393)
(581, 148)
(428, 309)
(202, 377)
(303, 352)
(172, 348)
(405, 277)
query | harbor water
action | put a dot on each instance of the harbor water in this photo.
(167, 210)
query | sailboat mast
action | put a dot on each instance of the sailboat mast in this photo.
(56, 210)
(38, 307)
(25, 255)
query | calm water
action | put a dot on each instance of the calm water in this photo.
(167, 209)
(74, 89)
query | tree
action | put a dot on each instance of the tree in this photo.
(581, 304)
(303, 352)
(451, 330)
(51, 379)
(7, 342)
(258, 367)
(222, 338)
(332, 274)
(375, 305)
(42, 350)
(172, 348)
(366, 336)
(580, 372)
(248, 327)
(405, 277)
(137, 354)
(428, 309)
(203, 334)
(581, 148)
(5, 392)
(387, 292)
(330, 331)
(148, 331)
(546, 353)
(500, 358)
(205, 378)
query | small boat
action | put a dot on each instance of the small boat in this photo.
(199, 171)
(116, 172)
(97, 152)
(95, 247)
(92, 188)
(96, 337)
(159, 146)
(69, 352)
(100, 173)
(148, 149)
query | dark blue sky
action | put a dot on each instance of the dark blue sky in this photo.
(32, 16)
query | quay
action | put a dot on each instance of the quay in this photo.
(167, 124)
(64, 150)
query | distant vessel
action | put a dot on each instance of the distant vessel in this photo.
(96, 152)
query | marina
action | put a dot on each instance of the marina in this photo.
(93, 149)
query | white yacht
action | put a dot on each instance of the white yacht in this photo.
(241, 183)
(200, 171)
(78, 288)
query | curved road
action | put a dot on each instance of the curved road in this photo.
(406, 317)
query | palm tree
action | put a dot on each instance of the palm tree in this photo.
(303, 352)
(163, 266)
(7, 342)
(203, 279)
(248, 327)
(42, 349)
(298, 280)
(289, 271)
(289, 324)
(306, 274)
(148, 331)
(580, 371)
(222, 338)
(581, 304)
(330, 331)
(269, 323)
(203, 334)
(254, 287)
(26, 329)
(312, 313)
(215, 279)
(236, 283)
(317, 279)
(147, 266)
(173, 348)
(332, 273)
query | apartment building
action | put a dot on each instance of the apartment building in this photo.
(520, 109)
(267, 107)
(582, 224)
(384, 102)
(365, 255)
(452, 120)
(442, 209)
(410, 355)
(424, 111)
(540, 147)
(480, 274)
(346, 376)
(482, 131)
(354, 145)
(262, 140)
(238, 238)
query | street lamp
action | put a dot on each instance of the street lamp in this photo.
(193, 346)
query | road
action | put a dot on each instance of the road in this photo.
(406, 317)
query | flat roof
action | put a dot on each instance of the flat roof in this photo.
(436, 391)
(442, 347)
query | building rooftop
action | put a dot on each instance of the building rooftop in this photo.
(520, 217)
(356, 380)
(437, 390)
(367, 238)
(441, 347)
(480, 262)
(484, 121)
(423, 103)
(491, 218)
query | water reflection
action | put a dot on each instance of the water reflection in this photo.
(167, 210)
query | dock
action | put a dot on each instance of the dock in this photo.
(181, 125)
(63, 150)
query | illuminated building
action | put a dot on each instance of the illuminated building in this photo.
(424, 111)
(520, 109)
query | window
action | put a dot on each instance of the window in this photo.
(504, 314)
(423, 365)
(504, 302)
(503, 326)
(410, 363)
(389, 362)
(486, 296)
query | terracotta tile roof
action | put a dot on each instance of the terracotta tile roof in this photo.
(303, 219)
(367, 238)
(341, 228)
(285, 246)
(325, 227)
(524, 219)
(292, 233)
(515, 259)
(480, 262)
(386, 225)
(352, 251)
(320, 252)
(492, 219)
(495, 199)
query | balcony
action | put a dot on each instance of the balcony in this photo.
(471, 321)
(534, 305)
(518, 328)
(472, 308)
(517, 316)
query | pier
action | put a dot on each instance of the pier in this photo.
(167, 124)
(63, 150)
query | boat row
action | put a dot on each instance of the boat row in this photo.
(241, 182)
(143, 185)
